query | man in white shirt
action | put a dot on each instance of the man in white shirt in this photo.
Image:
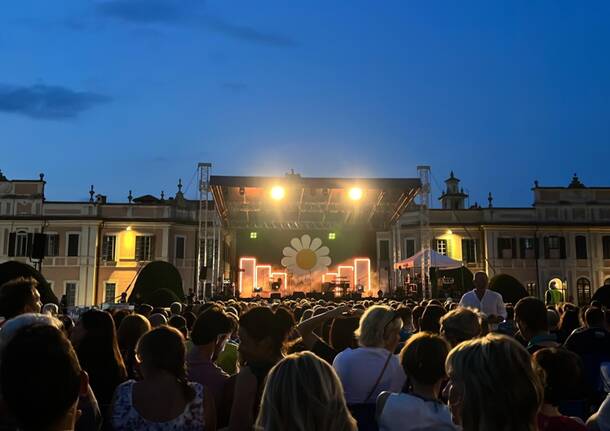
(486, 301)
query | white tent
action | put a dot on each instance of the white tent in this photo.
(437, 260)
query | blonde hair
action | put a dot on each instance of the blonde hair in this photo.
(460, 325)
(500, 389)
(302, 393)
(374, 323)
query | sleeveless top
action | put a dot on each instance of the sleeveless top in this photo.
(403, 412)
(125, 417)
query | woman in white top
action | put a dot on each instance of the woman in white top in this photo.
(423, 360)
(372, 368)
(163, 400)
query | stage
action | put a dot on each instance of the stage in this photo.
(295, 235)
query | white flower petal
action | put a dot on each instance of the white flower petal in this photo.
(296, 244)
(289, 251)
(322, 251)
(288, 261)
(315, 244)
(305, 240)
(324, 261)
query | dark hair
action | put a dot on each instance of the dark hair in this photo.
(342, 331)
(262, 322)
(417, 312)
(210, 324)
(190, 318)
(532, 312)
(163, 349)
(15, 295)
(431, 318)
(594, 317)
(131, 329)
(569, 321)
(561, 373)
(118, 316)
(423, 357)
(40, 376)
(178, 322)
(144, 309)
(510, 312)
(405, 313)
(99, 354)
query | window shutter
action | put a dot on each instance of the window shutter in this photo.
(547, 251)
(513, 243)
(28, 250)
(12, 239)
(562, 247)
(522, 248)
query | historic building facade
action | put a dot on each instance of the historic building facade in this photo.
(563, 237)
(94, 249)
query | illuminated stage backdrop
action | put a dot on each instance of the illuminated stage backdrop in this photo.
(303, 260)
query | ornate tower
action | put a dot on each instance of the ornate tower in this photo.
(453, 198)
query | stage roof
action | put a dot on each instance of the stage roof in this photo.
(311, 203)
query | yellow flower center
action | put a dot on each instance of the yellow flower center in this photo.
(306, 259)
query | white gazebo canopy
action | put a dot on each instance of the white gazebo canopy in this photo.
(437, 260)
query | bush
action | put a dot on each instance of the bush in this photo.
(509, 287)
(155, 276)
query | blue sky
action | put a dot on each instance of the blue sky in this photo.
(131, 94)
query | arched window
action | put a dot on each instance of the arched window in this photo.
(583, 291)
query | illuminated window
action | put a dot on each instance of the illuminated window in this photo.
(441, 246)
(109, 293)
(253, 235)
(144, 248)
(583, 291)
(332, 235)
(108, 247)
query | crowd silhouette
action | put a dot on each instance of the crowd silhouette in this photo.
(304, 364)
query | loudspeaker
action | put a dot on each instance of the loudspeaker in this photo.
(275, 295)
(38, 246)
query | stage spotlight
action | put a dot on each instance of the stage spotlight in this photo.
(277, 193)
(355, 193)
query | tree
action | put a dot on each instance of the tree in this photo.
(509, 287)
(156, 276)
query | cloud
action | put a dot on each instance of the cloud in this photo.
(236, 87)
(148, 11)
(247, 33)
(185, 12)
(44, 102)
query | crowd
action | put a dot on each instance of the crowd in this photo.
(301, 364)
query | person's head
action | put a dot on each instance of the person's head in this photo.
(510, 312)
(406, 314)
(175, 308)
(303, 393)
(480, 280)
(263, 333)
(423, 359)
(460, 325)
(493, 385)
(561, 372)
(144, 309)
(50, 309)
(418, 310)
(431, 318)
(530, 314)
(190, 318)
(157, 319)
(553, 285)
(19, 296)
(594, 317)
(569, 320)
(41, 379)
(178, 322)
(131, 329)
(119, 315)
(162, 351)
(13, 326)
(342, 333)
(553, 318)
(379, 327)
(213, 327)
(95, 341)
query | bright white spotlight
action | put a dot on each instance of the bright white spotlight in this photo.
(355, 193)
(277, 193)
